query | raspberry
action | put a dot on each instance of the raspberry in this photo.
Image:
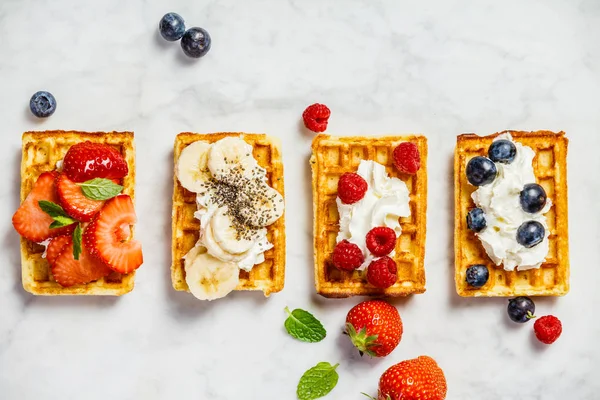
(347, 256)
(351, 188)
(407, 158)
(316, 116)
(381, 241)
(547, 329)
(382, 273)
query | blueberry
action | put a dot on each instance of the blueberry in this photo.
(530, 234)
(533, 198)
(42, 104)
(477, 275)
(502, 151)
(476, 220)
(171, 27)
(481, 171)
(195, 42)
(521, 309)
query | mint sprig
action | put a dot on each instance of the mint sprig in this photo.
(317, 381)
(58, 214)
(303, 326)
(77, 236)
(100, 189)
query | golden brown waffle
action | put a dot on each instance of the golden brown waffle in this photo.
(333, 156)
(41, 152)
(550, 167)
(268, 276)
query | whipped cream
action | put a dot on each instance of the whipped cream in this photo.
(386, 200)
(500, 201)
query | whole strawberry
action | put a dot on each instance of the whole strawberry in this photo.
(374, 327)
(87, 160)
(547, 329)
(417, 379)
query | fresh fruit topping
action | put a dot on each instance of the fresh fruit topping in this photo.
(87, 160)
(316, 116)
(374, 327)
(502, 151)
(31, 221)
(42, 104)
(230, 158)
(476, 220)
(407, 158)
(68, 272)
(303, 326)
(481, 171)
(417, 379)
(533, 198)
(347, 256)
(530, 234)
(171, 27)
(102, 240)
(261, 207)
(547, 329)
(228, 235)
(58, 214)
(477, 275)
(521, 309)
(195, 42)
(352, 188)
(381, 241)
(317, 381)
(207, 277)
(192, 167)
(382, 273)
(75, 203)
(56, 246)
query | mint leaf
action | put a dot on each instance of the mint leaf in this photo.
(304, 326)
(61, 221)
(77, 233)
(100, 189)
(317, 381)
(60, 217)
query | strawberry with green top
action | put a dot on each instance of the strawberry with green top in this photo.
(374, 327)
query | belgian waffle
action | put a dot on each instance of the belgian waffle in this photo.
(333, 156)
(41, 152)
(268, 276)
(550, 167)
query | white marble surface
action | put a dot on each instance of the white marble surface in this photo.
(439, 67)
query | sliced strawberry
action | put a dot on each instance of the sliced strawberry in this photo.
(106, 237)
(74, 201)
(87, 160)
(68, 272)
(56, 246)
(30, 221)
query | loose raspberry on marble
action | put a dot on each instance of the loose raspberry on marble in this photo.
(381, 241)
(382, 273)
(407, 158)
(347, 256)
(316, 117)
(547, 329)
(352, 188)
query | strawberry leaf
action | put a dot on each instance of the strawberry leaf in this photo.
(303, 326)
(100, 189)
(77, 233)
(58, 214)
(317, 381)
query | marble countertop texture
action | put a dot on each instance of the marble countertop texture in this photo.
(440, 68)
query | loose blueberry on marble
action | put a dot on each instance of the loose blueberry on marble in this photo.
(533, 198)
(42, 104)
(521, 309)
(477, 275)
(476, 220)
(171, 27)
(481, 171)
(502, 151)
(195, 42)
(530, 234)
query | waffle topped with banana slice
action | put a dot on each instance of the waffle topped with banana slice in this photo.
(235, 205)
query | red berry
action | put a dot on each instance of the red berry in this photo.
(351, 188)
(347, 256)
(547, 329)
(68, 272)
(87, 160)
(420, 378)
(382, 273)
(316, 116)
(407, 158)
(56, 246)
(74, 201)
(381, 241)
(375, 327)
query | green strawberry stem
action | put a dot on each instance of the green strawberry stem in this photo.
(361, 341)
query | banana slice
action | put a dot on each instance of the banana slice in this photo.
(267, 207)
(226, 235)
(217, 251)
(231, 157)
(192, 167)
(209, 278)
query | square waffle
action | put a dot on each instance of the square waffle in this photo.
(332, 157)
(41, 152)
(268, 276)
(550, 167)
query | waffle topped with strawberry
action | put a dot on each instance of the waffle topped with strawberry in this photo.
(77, 213)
